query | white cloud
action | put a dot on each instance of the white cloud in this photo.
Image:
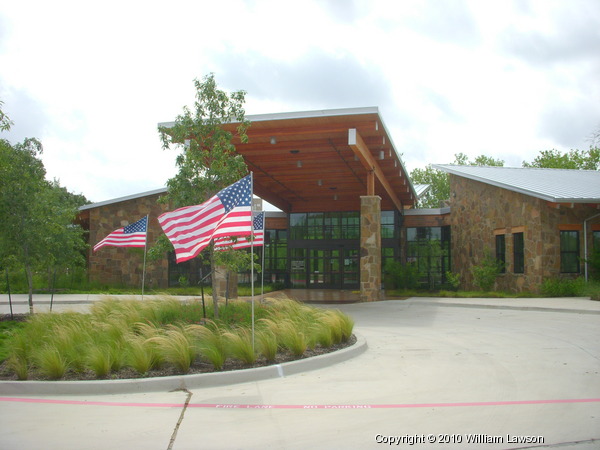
(506, 79)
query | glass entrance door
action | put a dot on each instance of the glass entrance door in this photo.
(320, 268)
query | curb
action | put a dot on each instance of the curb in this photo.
(182, 382)
(512, 307)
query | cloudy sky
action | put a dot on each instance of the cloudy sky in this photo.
(502, 78)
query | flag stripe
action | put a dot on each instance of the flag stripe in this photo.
(133, 235)
(256, 239)
(228, 213)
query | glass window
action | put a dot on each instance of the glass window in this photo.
(501, 251)
(429, 249)
(315, 226)
(519, 253)
(569, 251)
(298, 225)
(388, 226)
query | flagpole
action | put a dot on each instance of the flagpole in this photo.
(262, 264)
(252, 254)
(145, 249)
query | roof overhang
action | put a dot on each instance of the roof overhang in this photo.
(324, 160)
(553, 185)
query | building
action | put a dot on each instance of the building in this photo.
(347, 208)
(541, 223)
(340, 185)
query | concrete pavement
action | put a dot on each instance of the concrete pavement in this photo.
(438, 373)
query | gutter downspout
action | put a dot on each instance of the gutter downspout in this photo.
(585, 247)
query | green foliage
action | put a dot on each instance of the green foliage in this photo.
(239, 345)
(51, 362)
(594, 264)
(133, 334)
(573, 159)
(210, 343)
(36, 216)
(439, 182)
(176, 348)
(485, 273)
(453, 280)
(266, 343)
(401, 276)
(563, 287)
(208, 161)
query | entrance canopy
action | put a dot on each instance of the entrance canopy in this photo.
(324, 160)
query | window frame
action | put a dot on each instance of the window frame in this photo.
(519, 253)
(567, 266)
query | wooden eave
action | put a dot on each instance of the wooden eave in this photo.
(312, 166)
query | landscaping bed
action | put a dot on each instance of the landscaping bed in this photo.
(123, 339)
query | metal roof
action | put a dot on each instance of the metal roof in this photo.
(123, 199)
(553, 185)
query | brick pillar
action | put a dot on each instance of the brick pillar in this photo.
(370, 248)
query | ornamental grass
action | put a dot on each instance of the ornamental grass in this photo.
(153, 334)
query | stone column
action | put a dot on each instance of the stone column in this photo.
(370, 248)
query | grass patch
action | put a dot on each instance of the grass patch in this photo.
(144, 335)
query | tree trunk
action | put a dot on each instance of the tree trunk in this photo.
(214, 282)
(29, 275)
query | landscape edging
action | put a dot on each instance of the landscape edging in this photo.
(179, 382)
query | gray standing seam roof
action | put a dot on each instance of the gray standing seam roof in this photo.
(553, 185)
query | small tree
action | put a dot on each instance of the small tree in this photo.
(208, 161)
(36, 217)
(485, 274)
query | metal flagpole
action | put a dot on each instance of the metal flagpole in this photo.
(145, 249)
(252, 254)
(262, 264)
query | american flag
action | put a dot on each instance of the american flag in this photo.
(228, 213)
(258, 226)
(133, 235)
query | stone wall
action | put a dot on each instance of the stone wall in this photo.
(120, 266)
(481, 211)
(370, 248)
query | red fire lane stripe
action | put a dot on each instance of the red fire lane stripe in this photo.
(258, 406)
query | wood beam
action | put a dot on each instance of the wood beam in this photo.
(363, 153)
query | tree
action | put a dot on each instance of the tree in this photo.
(573, 159)
(208, 161)
(439, 182)
(36, 216)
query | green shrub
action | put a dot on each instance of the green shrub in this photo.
(453, 280)
(401, 276)
(266, 343)
(51, 362)
(239, 344)
(484, 274)
(563, 287)
(209, 342)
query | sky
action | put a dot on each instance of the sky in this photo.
(501, 78)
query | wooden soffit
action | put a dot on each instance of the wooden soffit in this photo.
(305, 161)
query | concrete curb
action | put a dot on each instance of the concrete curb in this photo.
(511, 307)
(131, 386)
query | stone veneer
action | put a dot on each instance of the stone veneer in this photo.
(370, 248)
(123, 266)
(480, 211)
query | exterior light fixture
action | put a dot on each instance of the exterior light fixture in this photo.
(299, 164)
(335, 197)
(381, 154)
(273, 140)
(319, 182)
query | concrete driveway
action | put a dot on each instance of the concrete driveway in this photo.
(438, 373)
